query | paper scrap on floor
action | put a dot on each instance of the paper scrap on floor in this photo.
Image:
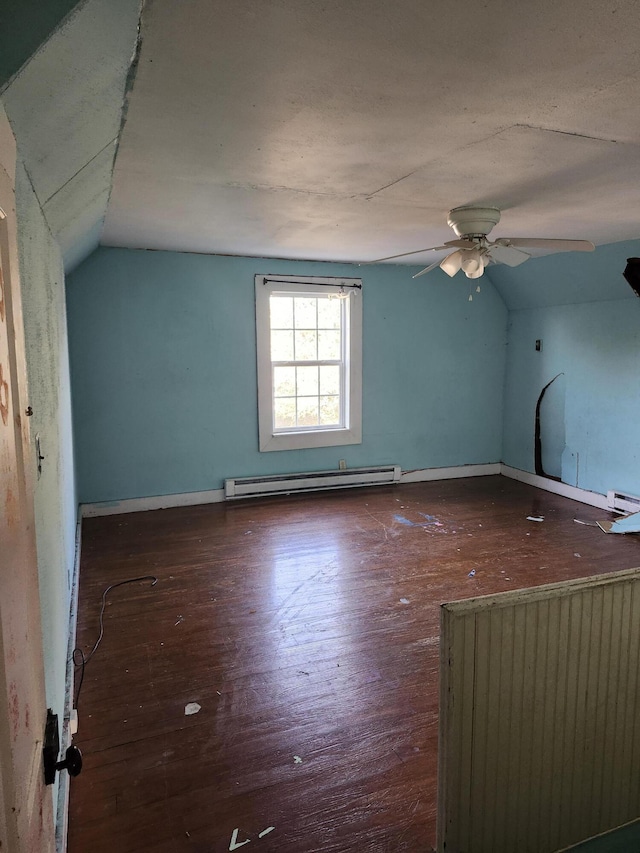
(628, 524)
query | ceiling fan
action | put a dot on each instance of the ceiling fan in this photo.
(473, 251)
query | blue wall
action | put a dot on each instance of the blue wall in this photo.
(596, 346)
(566, 279)
(163, 366)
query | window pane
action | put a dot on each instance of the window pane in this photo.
(308, 411)
(281, 308)
(305, 312)
(330, 410)
(284, 381)
(329, 379)
(281, 346)
(328, 345)
(306, 346)
(284, 412)
(329, 311)
(307, 381)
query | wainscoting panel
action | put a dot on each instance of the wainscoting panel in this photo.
(539, 716)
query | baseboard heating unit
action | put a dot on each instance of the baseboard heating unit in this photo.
(310, 481)
(623, 502)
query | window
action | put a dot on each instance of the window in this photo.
(309, 342)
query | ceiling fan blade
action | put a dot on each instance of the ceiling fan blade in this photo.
(541, 243)
(426, 270)
(508, 255)
(403, 255)
(452, 263)
(462, 244)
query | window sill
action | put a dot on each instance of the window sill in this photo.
(307, 439)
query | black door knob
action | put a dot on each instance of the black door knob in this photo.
(72, 761)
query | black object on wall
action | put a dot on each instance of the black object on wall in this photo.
(73, 757)
(632, 274)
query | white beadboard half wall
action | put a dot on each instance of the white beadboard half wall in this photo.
(539, 716)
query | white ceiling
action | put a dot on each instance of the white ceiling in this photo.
(346, 129)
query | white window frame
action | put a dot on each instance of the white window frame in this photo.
(322, 436)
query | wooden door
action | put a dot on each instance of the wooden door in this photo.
(26, 805)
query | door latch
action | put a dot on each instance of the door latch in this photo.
(72, 758)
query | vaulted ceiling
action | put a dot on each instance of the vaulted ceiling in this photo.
(66, 108)
(335, 130)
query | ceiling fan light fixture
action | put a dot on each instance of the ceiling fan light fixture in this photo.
(475, 273)
(452, 263)
(473, 263)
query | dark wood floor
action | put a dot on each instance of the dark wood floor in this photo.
(306, 628)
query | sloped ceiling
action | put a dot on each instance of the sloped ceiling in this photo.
(346, 131)
(65, 107)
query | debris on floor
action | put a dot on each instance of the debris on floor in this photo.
(234, 840)
(266, 831)
(235, 844)
(472, 573)
(627, 524)
(404, 601)
(191, 708)
(429, 520)
(432, 519)
(535, 518)
(297, 759)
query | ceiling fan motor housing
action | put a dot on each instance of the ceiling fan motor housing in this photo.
(473, 221)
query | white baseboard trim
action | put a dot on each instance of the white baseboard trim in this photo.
(572, 492)
(62, 805)
(424, 475)
(92, 510)
(212, 496)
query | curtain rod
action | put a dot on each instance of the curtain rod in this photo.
(267, 278)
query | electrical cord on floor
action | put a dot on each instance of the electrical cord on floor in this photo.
(80, 660)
